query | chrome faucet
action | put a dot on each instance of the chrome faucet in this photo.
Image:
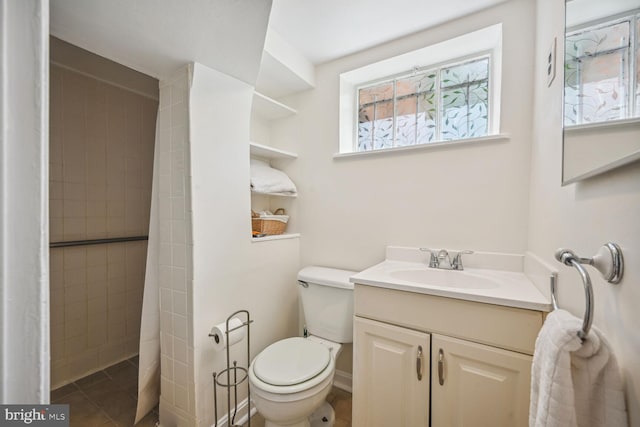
(442, 260)
(456, 264)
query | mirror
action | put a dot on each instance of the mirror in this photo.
(601, 87)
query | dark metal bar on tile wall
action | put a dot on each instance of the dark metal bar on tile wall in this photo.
(97, 241)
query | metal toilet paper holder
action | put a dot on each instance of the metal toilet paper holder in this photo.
(233, 375)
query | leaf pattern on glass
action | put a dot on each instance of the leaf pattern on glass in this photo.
(415, 109)
(426, 120)
(383, 125)
(375, 110)
(597, 73)
(365, 128)
(406, 120)
(465, 96)
(432, 105)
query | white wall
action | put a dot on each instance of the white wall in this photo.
(583, 216)
(472, 196)
(230, 271)
(469, 197)
(24, 252)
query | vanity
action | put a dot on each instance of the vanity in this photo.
(443, 347)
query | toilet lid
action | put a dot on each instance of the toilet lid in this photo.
(291, 361)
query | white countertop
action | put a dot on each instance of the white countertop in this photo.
(512, 289)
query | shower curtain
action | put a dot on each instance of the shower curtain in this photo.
(149, 353)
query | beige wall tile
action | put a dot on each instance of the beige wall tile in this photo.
(74, 191)
(96, 255)
(101, 164)
(74, 277)
(97, 290)
(56, 191)
(96, 227)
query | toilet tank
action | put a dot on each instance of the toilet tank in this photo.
(327, 301)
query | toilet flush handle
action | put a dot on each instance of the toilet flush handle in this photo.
(303, 283)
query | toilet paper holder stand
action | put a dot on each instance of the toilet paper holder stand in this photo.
(233, 375)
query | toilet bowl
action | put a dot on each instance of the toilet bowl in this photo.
(291, 378)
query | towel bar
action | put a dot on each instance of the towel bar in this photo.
(608, 261)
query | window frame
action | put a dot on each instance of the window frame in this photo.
(435, 69)
(460, 47)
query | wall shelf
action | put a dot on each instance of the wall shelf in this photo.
(276, 237)
(269, 108)
(274, 194)
(270, 153)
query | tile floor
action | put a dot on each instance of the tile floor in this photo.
(106, 398)
(339, 399)
(341, 402)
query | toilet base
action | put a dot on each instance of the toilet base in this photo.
(324, 416)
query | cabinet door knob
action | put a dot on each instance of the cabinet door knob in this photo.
(441, 367)
(419, 363)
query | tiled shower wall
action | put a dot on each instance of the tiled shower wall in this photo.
(101, 165)
(177, 400)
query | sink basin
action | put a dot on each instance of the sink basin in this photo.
(445, 278)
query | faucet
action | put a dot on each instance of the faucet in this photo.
(443, 255)
(456, 264)
(442, 260)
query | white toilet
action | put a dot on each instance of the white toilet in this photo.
(291, 378)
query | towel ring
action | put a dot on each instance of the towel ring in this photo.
(608, 261)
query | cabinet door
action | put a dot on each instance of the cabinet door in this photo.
(475, 385)
(387, 387)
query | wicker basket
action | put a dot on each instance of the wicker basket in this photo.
(269, 225)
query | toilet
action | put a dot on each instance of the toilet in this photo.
(290, 379)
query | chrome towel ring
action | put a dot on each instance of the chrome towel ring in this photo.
(608, 261)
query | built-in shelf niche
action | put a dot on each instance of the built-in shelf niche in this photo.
(269, 153)
(269, 108)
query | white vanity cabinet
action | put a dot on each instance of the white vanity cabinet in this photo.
(478, 385)
(482, 352)
(391, 374)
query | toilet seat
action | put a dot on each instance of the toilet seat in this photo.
(291, 361)
(282, 368)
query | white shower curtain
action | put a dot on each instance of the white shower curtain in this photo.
(149, 359)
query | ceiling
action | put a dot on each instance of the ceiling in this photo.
(156, 37)
(328, 29)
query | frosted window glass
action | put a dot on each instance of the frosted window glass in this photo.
(429, 105)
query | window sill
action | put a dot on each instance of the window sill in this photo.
(502, 137)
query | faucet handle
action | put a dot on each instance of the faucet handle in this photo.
(434, 262)
(456, 264)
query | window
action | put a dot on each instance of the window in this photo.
(449, 102)
(601, 72)
(442, 93)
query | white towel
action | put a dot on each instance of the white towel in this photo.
(265, 179)
(574, 383)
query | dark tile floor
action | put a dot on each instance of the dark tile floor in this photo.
(339, 399)
(341, 402)
(106, 398)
